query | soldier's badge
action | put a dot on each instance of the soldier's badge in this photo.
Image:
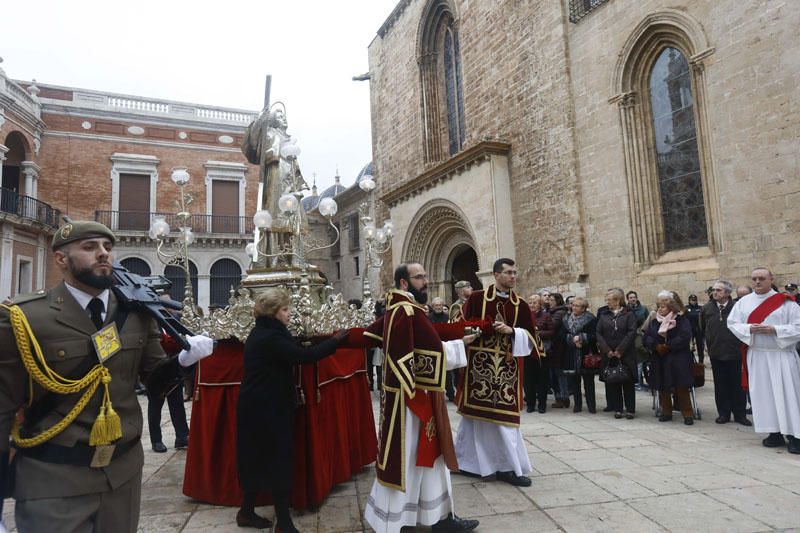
(66, 230)
(107, 342)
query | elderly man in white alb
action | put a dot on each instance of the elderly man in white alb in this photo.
(768, 322)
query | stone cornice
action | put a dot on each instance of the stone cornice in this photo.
(392, 18)
(130, 140)
(446, 170)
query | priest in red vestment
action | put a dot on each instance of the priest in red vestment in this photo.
(415, 445)
(489, 439)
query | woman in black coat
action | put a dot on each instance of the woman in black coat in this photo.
(668, 337)
(616, 332)
(580, 330)
(555, 355)
(266, 409)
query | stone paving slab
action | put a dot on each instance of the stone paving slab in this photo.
(591, 473)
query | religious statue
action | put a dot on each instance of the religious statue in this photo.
(265, 144)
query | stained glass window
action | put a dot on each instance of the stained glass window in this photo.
(452, 84)
(677, 156)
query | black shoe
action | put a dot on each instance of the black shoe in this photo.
(629, 415)
(665, 418)
(774, 440)
(180, 444)
(743, 421)
(542, 410)
(593, 410)
(454, 524)
(252, 520)
(608, 409)
(577, 409)
(794, 445)
(530, 408)
(723, 419)
(288, 528)
(618, 415)
(688, 421)
(512, 479)
(159, 447)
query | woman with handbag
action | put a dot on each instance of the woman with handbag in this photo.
(580, 330)
(668, 338)
(616, 331)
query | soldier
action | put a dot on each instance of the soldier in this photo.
(71, 356)
(464, 291)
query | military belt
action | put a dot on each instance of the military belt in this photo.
(78, 455)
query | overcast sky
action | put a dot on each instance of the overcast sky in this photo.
(215, 53)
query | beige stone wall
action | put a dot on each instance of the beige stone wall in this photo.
(753, 114)
(514, 72)
(541, 83)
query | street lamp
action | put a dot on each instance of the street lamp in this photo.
(377, 241)
(176, 252)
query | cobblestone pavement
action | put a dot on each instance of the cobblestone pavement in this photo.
(591, 473)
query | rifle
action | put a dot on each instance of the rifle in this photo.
(138, 293)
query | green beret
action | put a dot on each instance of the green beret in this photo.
(77, 230)
(462, 284)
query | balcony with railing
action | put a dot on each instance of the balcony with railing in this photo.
(580, 8)
(138, 222)
(28, 209)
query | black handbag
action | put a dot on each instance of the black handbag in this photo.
(615, 372)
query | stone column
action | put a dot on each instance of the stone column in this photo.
(3, 152)
(6, 259)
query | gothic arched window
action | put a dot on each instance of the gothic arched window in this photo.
(680, 181)
(660, 79)
(441, 80)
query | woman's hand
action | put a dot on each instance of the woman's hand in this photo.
(340, 335)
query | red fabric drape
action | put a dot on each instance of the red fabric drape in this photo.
(334, 438)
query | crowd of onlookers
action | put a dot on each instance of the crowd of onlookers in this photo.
(660, 350)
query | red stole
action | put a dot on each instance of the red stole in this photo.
(758, 316)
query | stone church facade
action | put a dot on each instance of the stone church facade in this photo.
(640, 144)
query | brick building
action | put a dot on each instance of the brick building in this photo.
(642, 144)
(96, 155)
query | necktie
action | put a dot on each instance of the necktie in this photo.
(96, 308)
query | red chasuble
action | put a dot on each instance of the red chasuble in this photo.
(413, 377)
(491, 387)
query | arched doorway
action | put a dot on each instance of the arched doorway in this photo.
(438, 234)
(136, 265)
(225, 273)
(177, 276)
(12, 170)
(463, 266)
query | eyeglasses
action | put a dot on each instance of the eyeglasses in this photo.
(509, 272)
(420, 276)
(759, 278)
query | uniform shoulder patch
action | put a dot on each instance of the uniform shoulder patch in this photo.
(25, 298)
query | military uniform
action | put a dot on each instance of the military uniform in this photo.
(55, 485)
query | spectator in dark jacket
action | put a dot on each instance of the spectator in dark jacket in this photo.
(693, 314)
(537, 371)
(668, 338)
(725, 355)
(580, 330)
(616, 331)
(555, 355)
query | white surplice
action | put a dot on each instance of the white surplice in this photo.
(773, 366)
(428, 495)
(485, 448)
